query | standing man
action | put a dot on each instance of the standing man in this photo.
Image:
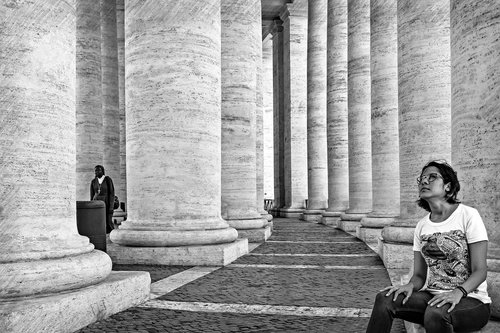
(101, 188)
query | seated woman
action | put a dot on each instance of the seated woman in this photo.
(450, 246)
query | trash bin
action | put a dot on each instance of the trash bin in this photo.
(91, 222)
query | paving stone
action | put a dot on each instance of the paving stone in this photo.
(277, 286)
(310, 260)
(316, 286)
(186, 321)
(156, 272)
(305, 248)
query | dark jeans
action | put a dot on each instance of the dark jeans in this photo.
(469, 314)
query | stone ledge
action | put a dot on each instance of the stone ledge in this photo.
(71, 310)
(491, 327)
(199, 255)
(255, 235)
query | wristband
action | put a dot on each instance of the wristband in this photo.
(462, 289)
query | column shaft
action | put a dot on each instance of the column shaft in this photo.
(384, 119)
(317, 161)
(40, 249)
(337, 132)
(475, 82)
(359, 110)
(267, 86)
(259, 122)
(89, 129)
(121, 191)
(241, 31)
(295, 100)
(110, 92)
(278, 117)
(173, 109)
(424, 112)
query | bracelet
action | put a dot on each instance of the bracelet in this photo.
(462, 289)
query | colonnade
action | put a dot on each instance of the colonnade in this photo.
(407, 82)
(172, 103)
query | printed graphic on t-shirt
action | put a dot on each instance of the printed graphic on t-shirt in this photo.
(447, 256)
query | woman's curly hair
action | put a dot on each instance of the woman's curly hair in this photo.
(449, 176)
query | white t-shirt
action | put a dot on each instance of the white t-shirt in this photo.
(444, 247)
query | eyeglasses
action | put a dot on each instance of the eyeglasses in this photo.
(430, 178)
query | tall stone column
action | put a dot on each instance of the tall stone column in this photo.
(317, 161)
(337, 133)
(121, 191)
(259, 122)
(359, 114)
(384, 120)
(44, 262)
(278, 117)
(294, 18)
(110, 91)
(89, 130)
(475, 83)
(424, 113)
(267, 100)
(173, 115)
(240, 38)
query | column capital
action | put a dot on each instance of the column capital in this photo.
(276, 27)
(297, 8)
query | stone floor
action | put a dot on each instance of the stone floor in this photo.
(306, 278)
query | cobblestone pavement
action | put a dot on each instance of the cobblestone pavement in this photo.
(306, 278)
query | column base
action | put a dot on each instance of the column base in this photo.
(267, 216)
(197, 255)
(73, 310)
(313, 215)
(275, 212)
(292, 212)
(119, 216)
(255, 235)
(331, 218)
(349, 221)
(247, 223)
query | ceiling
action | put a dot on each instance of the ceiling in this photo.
(270, 10)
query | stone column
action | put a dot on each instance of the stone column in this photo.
(359, 114)
(475, 82)
(278, 117)
(424, 113)
(384, 115)
(173, 115)
(89, 130)
(267, 87)
(337, 133)
(44, 262)
(240, 37)
(121, 191)
(259, 123)
(317, 161)
(294, 18)
(110, 92)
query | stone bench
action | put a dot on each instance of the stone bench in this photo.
(493, 326)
